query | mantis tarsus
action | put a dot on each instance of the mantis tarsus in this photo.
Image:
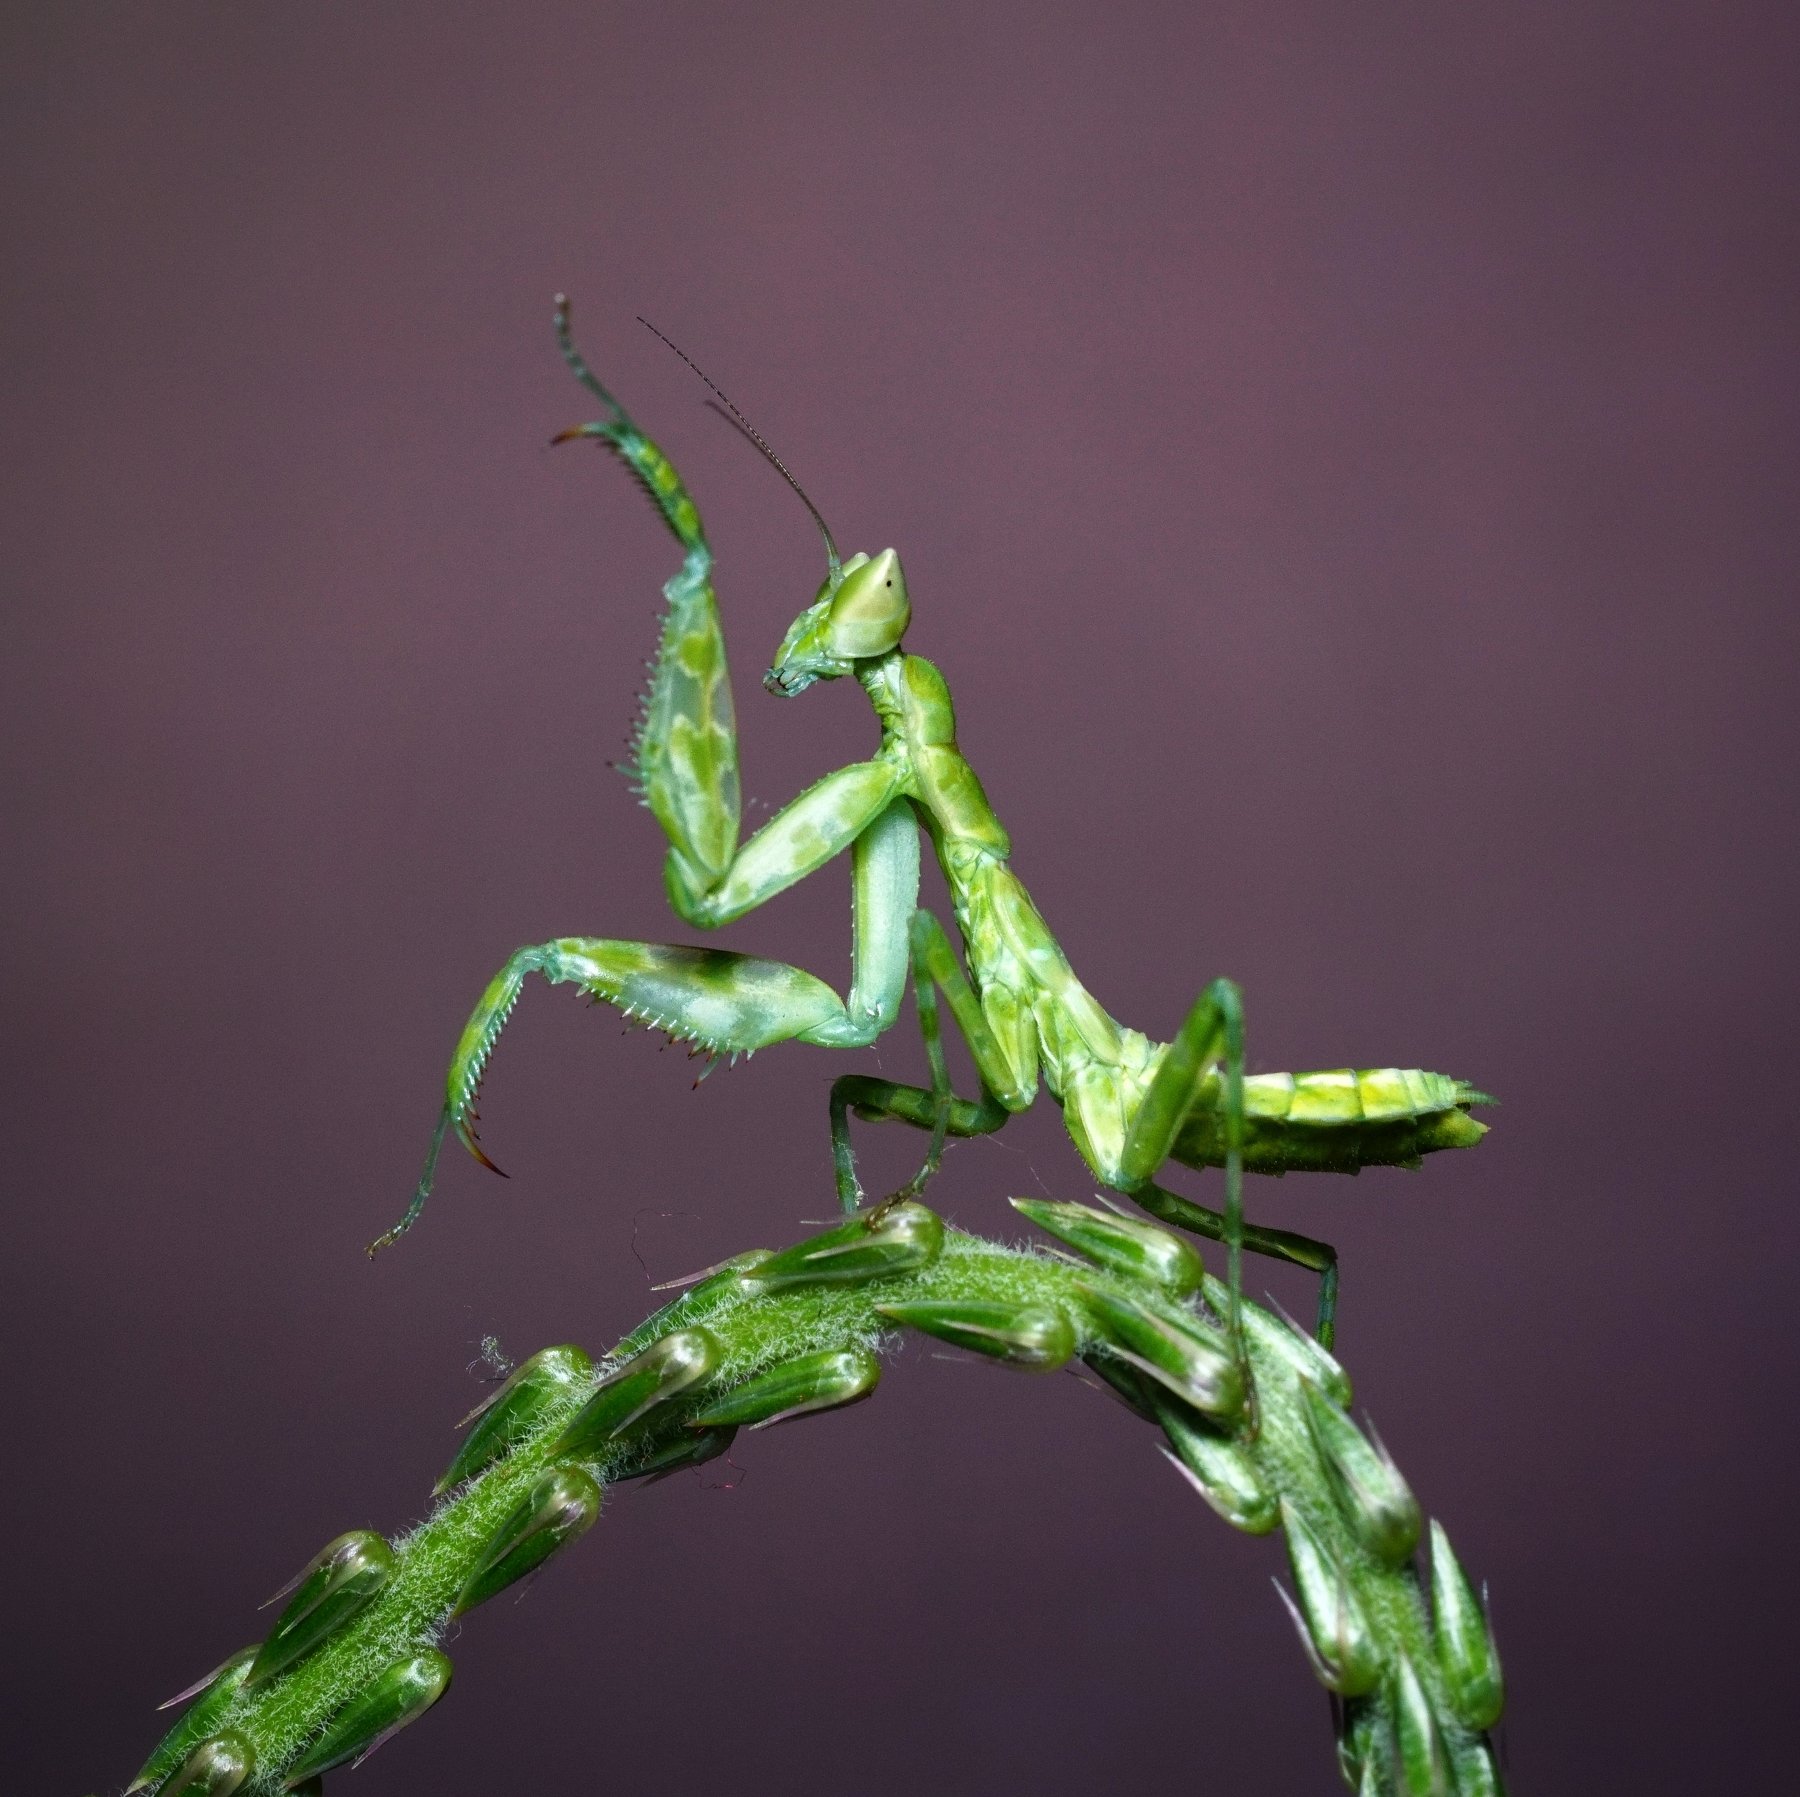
(1129, 1103)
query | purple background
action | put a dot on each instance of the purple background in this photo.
(1344, 463)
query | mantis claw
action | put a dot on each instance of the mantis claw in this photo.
(467, 1137)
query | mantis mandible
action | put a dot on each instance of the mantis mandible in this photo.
(1129, 1103)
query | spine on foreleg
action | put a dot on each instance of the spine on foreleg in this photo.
(684, 753)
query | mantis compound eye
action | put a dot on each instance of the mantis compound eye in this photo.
(870, 610)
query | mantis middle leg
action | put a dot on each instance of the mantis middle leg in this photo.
(1204, 1065)
(935, 1107)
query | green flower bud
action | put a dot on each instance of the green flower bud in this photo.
(535, 1388)
(1374, 1499)
(1127, 1384)
(1333, 1628)
(822, 1381)
(687, 1448)
(559, 1507)
(1424, 1769)
(1035, 1337)
(702, 1287)
(212, 1698)
(1123, 1245)
(867, 1247)
(665, 1369)
(215, 1768)
(1359, 1752)
(1187, 1357)
(342, 1580)
(1465, 1646)
(384, 1706)
(1221, 1471)
(1475, 1772)
(1289, 1343)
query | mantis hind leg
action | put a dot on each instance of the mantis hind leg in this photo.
(1204, 1065)
(1279, 1244)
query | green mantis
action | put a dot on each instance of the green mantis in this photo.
(1131, 1105)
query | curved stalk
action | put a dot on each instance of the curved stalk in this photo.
(1267, 1442)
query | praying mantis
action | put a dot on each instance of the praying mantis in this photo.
(1130, 1104)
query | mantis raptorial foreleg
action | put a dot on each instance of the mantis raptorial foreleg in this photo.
(723, 1003)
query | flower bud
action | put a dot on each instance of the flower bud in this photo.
(866, 1247)
(215, 1768)
(689, 1447)
(1220, 1470)
(342, 1580)
(665, 1369)
(1465, 1647)
(212, 1697)
(1361, 1748)
(1474, 1769)
(1187, 1357)
(821, 1381)
(535, 1388)
(384, 1706)
(1333, 1628)
(1035, 1337)
(1374, 1499)
(1419, 1748)
(702, 1287)
(1127, 1384)
(559, 1507)
(1122, 1245)
(1299, 1352)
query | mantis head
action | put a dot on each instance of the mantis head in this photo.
(861, 611)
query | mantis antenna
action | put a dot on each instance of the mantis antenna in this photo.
(732, 416)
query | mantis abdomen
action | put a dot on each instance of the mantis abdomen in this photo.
(1339, 1121)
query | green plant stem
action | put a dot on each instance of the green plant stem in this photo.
(1381, 1746)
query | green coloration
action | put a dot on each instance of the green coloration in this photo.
(1466, 1651)
(871, 1246)
(561, 1507)
(1216, 1466)
(1130, 1104)
(215, 1768)
(534, 1388)
(625, 1396)
(1033, 1337)
(1363, 1619)
(1177, 1351)
(1334, 1627)
(1372, 1495)
(215, 1694)
(678, 1453)
(1137, 1250)
(827, 1380)
(1418, 1745)
(398, 1694)
(343, 1578)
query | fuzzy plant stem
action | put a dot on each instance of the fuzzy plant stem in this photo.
(1259, 1428)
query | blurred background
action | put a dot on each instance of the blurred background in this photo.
(1344, 464)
